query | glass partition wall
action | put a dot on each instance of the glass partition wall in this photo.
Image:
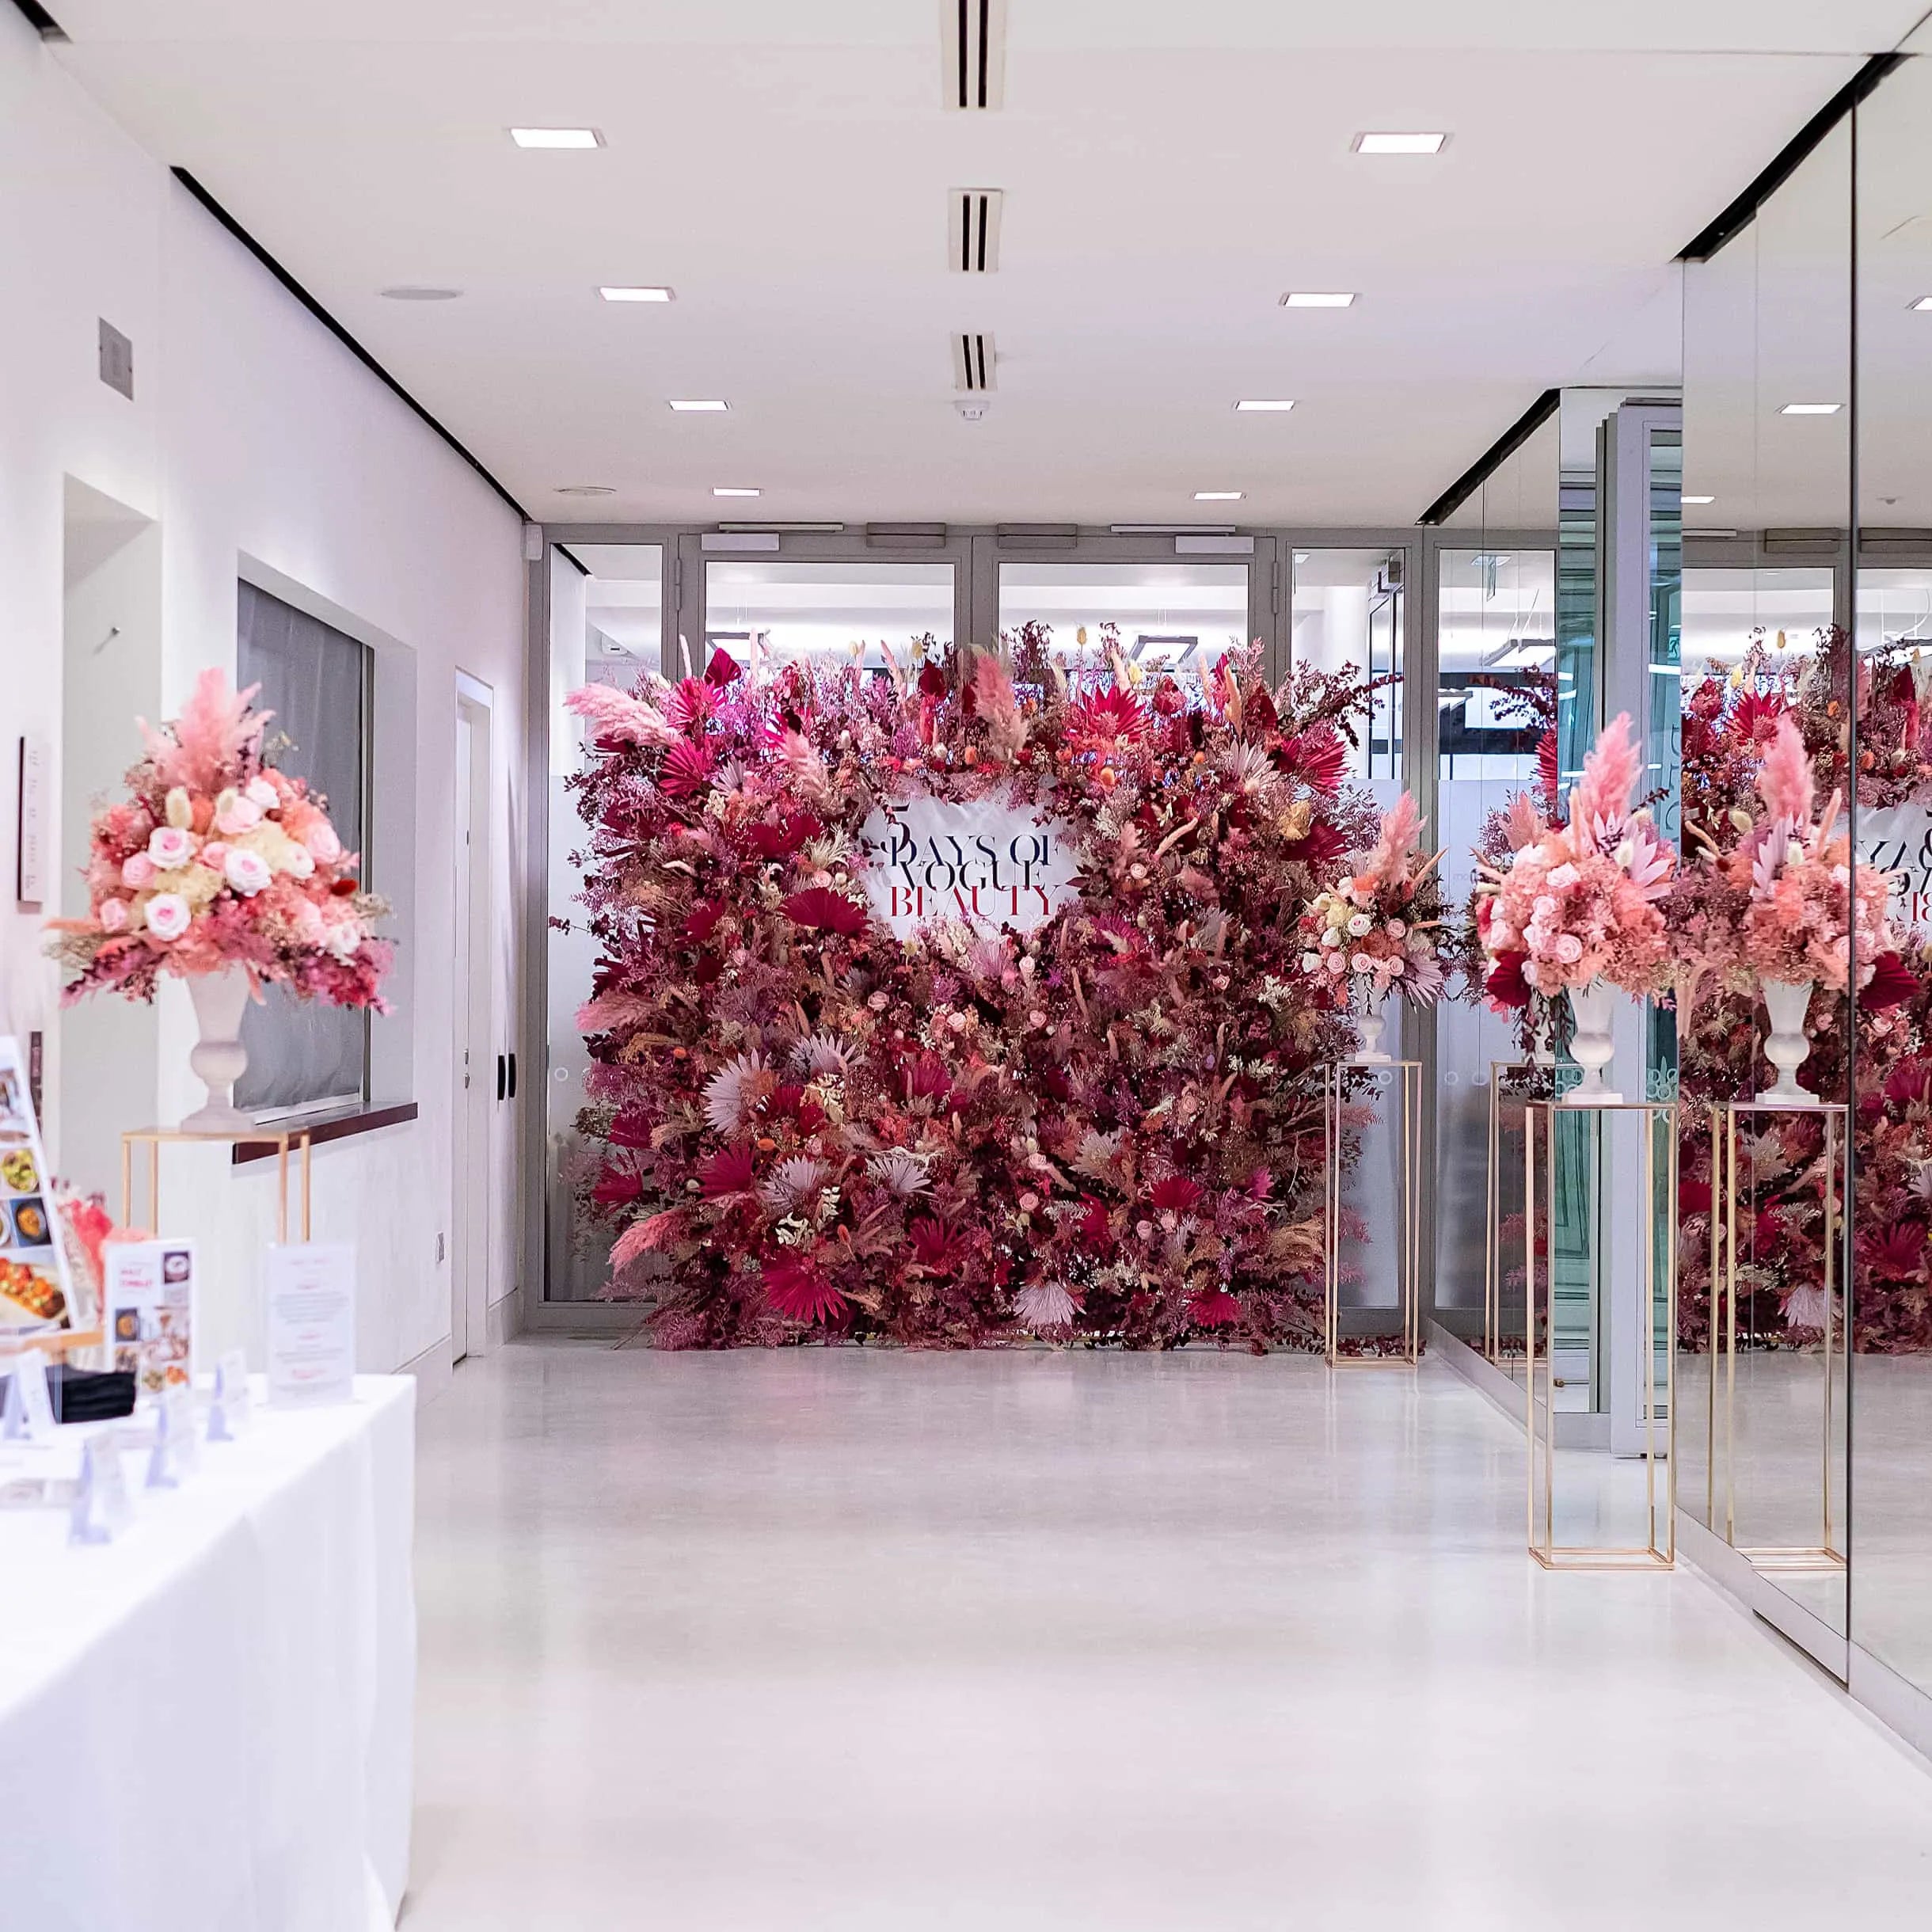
(1768, 1233)
(1890, 1543)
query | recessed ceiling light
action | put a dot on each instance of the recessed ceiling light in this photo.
(684, 405)
(416, 291)
(1809, 408)
(1259, 402)
(1217, 495)
(1699, 499)
(1313, 298)
(635, 295)
(728, 490)
(557, 137)
(1399, 143)
(1924, 301)
(586, 489)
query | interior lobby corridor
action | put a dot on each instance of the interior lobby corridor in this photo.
(831, 1638)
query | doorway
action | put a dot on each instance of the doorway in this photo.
(478, 1071)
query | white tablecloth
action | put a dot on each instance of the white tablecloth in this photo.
(205, 1725)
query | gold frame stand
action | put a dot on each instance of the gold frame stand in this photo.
(1824, 1555)
(282, 1139)
(1659, 1445)
(1408, 1237)
(1501, 1072)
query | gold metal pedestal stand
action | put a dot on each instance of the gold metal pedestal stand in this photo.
(1337, 1079)
(1726, 1201)
(282, 1141)
(1511, 1081)
(1539, 1123)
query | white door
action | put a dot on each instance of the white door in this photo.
(474, 1064)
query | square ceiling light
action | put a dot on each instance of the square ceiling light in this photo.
(1250, 405)
(557, 137)
(1217, 495)
(635, 295)
(1810, 409)
(700, 405)
(1400, 143)
(732, 489)
(1314, 299)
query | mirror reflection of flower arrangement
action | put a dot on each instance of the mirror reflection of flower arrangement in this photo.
(1374, 931)
(1580, 902)
(216, 861)
(1795, 894)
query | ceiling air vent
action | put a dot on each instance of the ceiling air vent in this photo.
(974, 34)
(973, 230)
(974, 367)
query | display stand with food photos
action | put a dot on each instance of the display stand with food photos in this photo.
(36, 1291)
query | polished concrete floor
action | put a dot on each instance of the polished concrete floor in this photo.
(817, 1639)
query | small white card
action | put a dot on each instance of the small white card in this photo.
(101, 1507)
(28, 1413)
(229, 1418)
(176, 1452)
(311, 1323)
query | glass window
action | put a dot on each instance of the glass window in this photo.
(1724, 608)
(766, 615)
(1348, 609)
(607, 627)
(1179, 616)
(302, 1054)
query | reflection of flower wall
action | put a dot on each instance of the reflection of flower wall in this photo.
(1767, 713)
(1104, 1127)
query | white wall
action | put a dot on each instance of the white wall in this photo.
(255, 443)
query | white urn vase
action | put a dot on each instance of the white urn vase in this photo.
(218, 1059)
(1591, 1046)
(1368, 1030)
(1786, 1001)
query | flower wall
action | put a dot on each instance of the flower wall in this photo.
(1106, 1125)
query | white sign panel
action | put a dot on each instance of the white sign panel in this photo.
(311, 1323)
(1899, 840)
(976, 861)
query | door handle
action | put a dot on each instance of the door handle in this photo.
(500, 1076)
(513, 1076)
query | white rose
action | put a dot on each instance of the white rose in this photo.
(167, 915)
(261, 792)
(1311, 962)
(1330, 937)
(1358, 925)
(169, 846)
(247, 871)
(297, 860)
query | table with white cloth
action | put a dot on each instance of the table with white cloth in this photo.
(205, 1725)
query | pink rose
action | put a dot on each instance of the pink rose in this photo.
(260, 792)
(113, 915)
(238, 815)
(309, 925)
(246, 871)
(322, 844)
(214, 854)
(137, 872)
(169, 846)
(1568, 948)
(168, 916)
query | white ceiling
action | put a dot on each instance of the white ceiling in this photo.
(1169, 171)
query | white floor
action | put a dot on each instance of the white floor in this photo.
(860, 1641)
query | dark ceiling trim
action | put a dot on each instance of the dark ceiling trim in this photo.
(336, 329)
(1788, 158)
(1493, 458)
(42, 22)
